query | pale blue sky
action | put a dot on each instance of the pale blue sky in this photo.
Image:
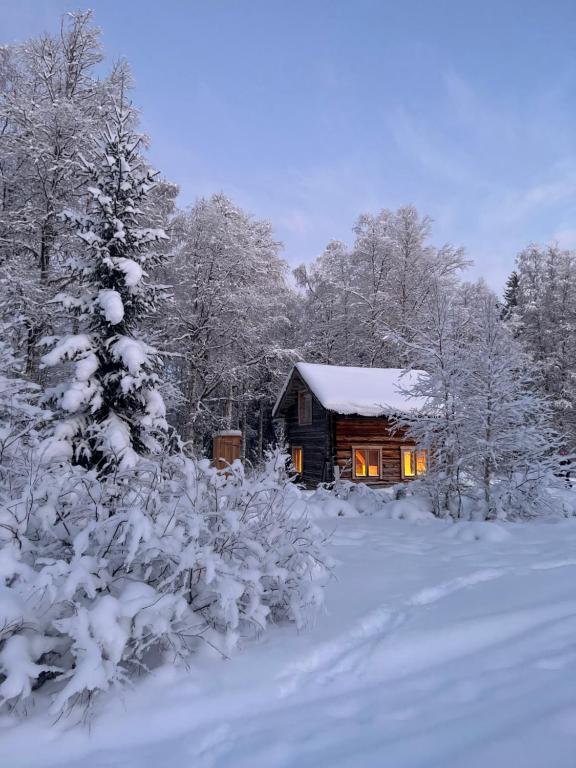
(309, 112)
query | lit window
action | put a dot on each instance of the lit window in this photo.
(413, 463)
(304, 408)
(366, 462)
(421, 461)
(298, 459)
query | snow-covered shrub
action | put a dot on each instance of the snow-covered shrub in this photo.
(384, 502)
(102, 579)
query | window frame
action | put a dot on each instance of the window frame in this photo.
(303, 397)
(293, 450)
(404, 449)
(366, 448)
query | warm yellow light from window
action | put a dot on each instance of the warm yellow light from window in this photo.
(409, 469)
(359, 463)
(420, 462)
(366, 462)
(298, 459)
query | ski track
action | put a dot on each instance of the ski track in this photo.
(432, 594)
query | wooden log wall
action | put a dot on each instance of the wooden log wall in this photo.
(375, 432)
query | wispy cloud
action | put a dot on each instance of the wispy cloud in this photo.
(509, 207)
(474, 114)
(429, 148)
(495, 179)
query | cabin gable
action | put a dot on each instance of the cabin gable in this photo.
(311, 435)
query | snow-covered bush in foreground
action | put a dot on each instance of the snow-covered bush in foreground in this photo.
(101, 580)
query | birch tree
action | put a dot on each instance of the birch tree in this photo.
(493, 449)
(353, 297)
(51, 103)
(230, 318)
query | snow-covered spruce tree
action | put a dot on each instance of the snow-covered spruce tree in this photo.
(113, 411)
(542, 313)
(510, 296)
(493, 450)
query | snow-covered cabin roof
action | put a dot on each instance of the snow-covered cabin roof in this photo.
(364, 391)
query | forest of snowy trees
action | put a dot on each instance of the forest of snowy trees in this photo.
(132, 330)
(234, 316)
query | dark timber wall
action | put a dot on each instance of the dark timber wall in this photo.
(314, 438)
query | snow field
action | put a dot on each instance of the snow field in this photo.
(434, 650)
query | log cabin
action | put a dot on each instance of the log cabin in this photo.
(338, 422)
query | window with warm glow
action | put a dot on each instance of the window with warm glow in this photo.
(414, 463)
(366, 462)
(298, 459)
(421, 462)
(408, 464)
(304, 408)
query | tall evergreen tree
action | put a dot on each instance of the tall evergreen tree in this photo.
(113, 411)
(511, 295)
(545, 324)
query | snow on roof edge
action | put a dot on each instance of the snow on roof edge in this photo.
(283, 390)
(349, 390)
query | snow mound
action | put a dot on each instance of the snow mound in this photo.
(366, 500)
(415, 509)
(324, 504)
(348, 500)
(478, 531)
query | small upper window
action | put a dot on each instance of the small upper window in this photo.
(414, 463)
(366, 462)
(304, 408)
